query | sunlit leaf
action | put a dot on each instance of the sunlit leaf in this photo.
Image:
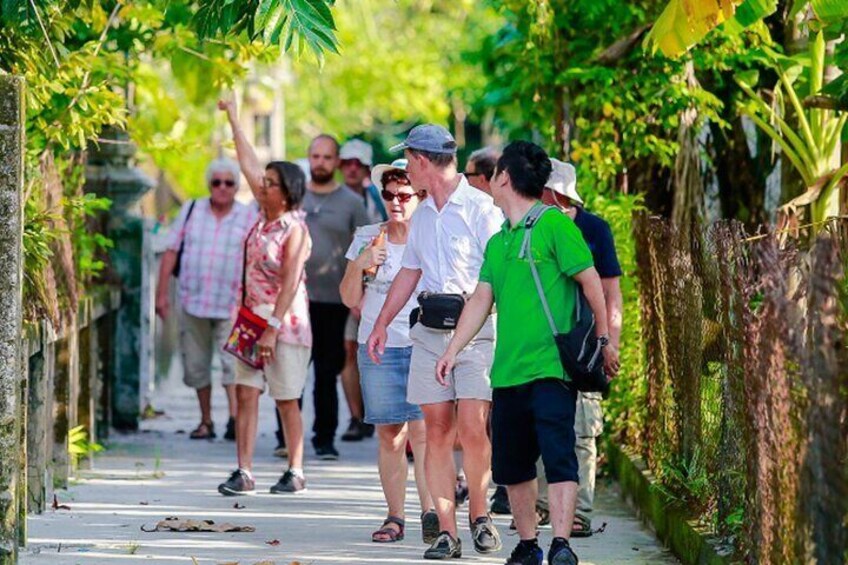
(684, 23)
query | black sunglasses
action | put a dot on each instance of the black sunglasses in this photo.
(218, 182)
(472, 173)
(402, 197)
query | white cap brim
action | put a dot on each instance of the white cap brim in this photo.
(378, 171)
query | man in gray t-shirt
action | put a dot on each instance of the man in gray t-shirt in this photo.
(332, 214)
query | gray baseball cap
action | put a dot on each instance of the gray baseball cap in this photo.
(430, 138)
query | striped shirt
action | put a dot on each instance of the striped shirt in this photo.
(210, 275)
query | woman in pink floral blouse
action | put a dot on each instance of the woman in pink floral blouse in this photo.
(277, 248)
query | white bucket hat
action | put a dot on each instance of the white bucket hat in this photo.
(563, 180)
(359, 150)
(378, 171)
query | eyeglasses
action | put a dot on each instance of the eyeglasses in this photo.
(218, 182)
(472, 173)
(402, 197)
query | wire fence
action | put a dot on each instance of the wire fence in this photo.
(747, 384)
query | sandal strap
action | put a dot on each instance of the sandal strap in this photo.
(582, 522)
(399, 522)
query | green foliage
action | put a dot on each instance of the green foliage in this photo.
(813, 136)
(82, 62)
(38, 235)
(684, 23)
(80, 446)
(87, 244)
(686, 482)
(625, 409)
(402, 62)
(560, 70)
(294, 24)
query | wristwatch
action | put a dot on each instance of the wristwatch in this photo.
(274, 323)
(603, 340)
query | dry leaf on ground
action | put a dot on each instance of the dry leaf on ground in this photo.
(174, 524)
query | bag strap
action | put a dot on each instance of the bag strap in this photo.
(184, 227)
(244, 262)
(188, 216)
(532, 217)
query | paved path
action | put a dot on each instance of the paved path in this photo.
(145, 477)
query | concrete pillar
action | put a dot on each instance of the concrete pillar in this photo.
(11, 345)
(61, 408)
(110, 174)
(40, 422)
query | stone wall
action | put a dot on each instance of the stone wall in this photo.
(12, 474)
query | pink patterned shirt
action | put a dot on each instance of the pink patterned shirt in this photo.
(265, 257)
(210, 275)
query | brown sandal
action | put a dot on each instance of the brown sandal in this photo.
(389, 535)
(581, 527)
(204, 430)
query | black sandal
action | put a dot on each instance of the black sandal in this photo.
(389, 535)
(204, 430)
(429, 526)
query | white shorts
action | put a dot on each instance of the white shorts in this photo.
(285, 375)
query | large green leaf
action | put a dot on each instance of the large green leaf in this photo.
(683, 23)
(830, 11)
(294, 23)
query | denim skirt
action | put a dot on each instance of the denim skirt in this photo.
(384, 387)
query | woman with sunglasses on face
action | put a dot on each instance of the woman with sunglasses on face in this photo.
(384, 385)
(276, 250)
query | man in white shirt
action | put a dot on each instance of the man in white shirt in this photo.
(447, 238)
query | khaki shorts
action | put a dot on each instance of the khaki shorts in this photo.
(285, 375)
(470, 377)
(589, 418)
(200, 339)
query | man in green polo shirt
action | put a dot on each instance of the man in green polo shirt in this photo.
(532, 404)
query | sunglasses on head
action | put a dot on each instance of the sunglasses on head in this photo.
(402, 197)
(218, 182)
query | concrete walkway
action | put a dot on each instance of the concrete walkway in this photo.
(146, 477)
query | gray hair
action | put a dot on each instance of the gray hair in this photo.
(486, 159)
(223, 165)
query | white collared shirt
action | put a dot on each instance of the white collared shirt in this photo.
(448, 245)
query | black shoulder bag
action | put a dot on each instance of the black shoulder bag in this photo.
(580, 352)
(178, 265)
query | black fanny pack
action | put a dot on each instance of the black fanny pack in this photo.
(438, 311)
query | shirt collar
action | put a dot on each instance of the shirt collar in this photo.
(459, 196)
(506, 225)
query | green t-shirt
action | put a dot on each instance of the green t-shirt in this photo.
(525, 349)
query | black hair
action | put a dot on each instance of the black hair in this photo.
(441, 160)
(528, 167)
(292, 182)
(328, 137)
(395, 175)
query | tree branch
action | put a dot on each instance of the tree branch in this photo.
(825, 103)
(622, 47)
